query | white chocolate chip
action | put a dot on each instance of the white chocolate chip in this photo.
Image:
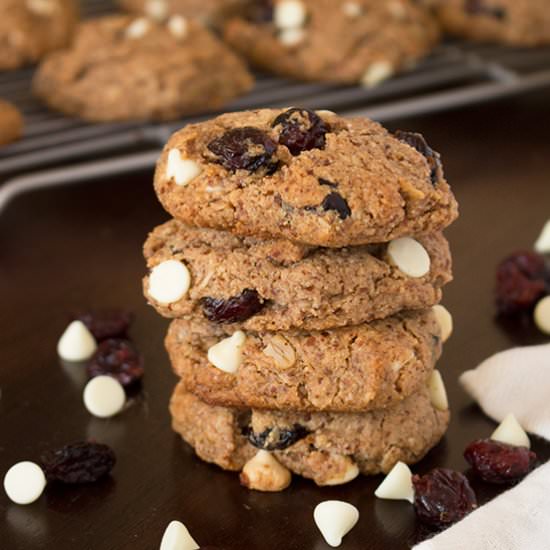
(325, 112)
(138, 28)
(76, 343)
(104, 396)
(226, 355)
(156, 9)
(541, 315)
(542, 246)
(335, 519)
(352, 9)
(438, 393)
(397, 485)
(289, 14)
(444, 320)
(177, 537)
(169, 281)
(351, 472)
(41, 7)
(397, 9)
(509, 431)
(409, 256)
(182, 170)
(24, 482)
(377, 73)
(281, 351)
(264, 472)
(291, 37)
(177, 25)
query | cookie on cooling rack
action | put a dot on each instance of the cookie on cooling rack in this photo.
(126, 68)
(11, 123)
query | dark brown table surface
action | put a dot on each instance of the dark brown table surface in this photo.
(77, 246)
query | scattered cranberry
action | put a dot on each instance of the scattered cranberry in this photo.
(233, 310)
(83, 462)
(244, 148)
(522, 280)
(442, 497)
(301, 130)
(497, 462)
(417, 141)
(335, 201)
(479, 7)
(107, 323)
(117, 358)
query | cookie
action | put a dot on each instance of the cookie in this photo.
(277, 285)
(313, 178)
(356, 368)
(123, 68)
(521, 23)
(210, 12)
(330, 448)
(363, 41)
(31, 28)
(11, 123)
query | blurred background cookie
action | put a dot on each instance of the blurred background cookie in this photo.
(11, 123)
(123, 68)
(31, 28)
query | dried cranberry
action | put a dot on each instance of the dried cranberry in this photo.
(233, 310)
(301, 130)
(107, 323)
(417, 141)
(244, 148)
(276, 439)
(497, 462)
(442, 497)
(335, 201)
(82, 462)
(522, 279)
(117, 358)
(479, 7)
(260, 11)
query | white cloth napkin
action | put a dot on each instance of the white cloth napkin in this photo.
(514, 381)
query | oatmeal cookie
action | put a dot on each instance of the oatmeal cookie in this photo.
(11, 123)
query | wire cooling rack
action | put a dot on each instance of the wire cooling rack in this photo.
(56, 148)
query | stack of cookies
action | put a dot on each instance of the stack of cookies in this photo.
(301, 269)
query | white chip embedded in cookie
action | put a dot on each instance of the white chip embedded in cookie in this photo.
(409, 256)
(291, 37)
(352, 9)
(444, 320)
(335, 519)
(541, 315)
(138, 28)
(264, 472)
(349, 474)
(181, 170)
(438, 393)
(41, 7)
(156, 9)
(177, 537)
(397, 485)
(289, 14)
(377, 73)
(226, 355)
(169, 282)
(509, 431)
(177, 25)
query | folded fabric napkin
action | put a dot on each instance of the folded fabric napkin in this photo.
(514, 381)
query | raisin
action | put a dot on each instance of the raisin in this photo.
(245, 148)
(118, 358)
(479, 7)
(335, 201)
(276, 439)
(417, 141)
(522, 279)
(301, 130)
(497, 462)
(332, 185)
(260, 11)
(442, 497)
(233, 310)
(82, 462)
(107, 323)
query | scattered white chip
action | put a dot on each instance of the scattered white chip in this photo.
(289, 14)
(226, 355)
(76, 343)
(138, 28)
(352, 9)
(104, 396)
(444, 320)
(438, 393)
(156, 9)
(377, 73)
(409, 256)
(397, 485)
(24, 482)
(263, 472)
(351, 472)
(177, 25)
(169, 281)
(177, 537)
(543, 242)
(182, 170)
(335, 519)
(541, 315)
(41, 7)
(509, 431)
(291, 37)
